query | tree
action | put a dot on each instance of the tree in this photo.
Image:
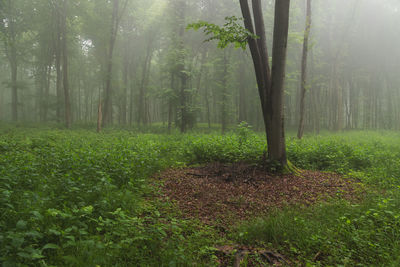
(64, 51)
(115, 21)
(10, 26)
(270, 82)
(304, 70)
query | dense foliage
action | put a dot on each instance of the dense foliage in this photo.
(76, 198)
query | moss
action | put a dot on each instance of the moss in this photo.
(290, 168)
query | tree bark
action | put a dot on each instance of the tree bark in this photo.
(276, 145)
(224, 100)
(124, 100)
(142, 100)
(57, 54)
(107, 108)
(270, 82)
(242, 92)
(183, 98)
(14, 84)
(11, 52)
(304, 70)
(67, 103)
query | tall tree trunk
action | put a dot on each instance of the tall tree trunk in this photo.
(183, 98)
(183, 102)
(58, 87)
(304, 70)
(57, 55)
(170, 104)
(99, 116)
(11, 51)
(132, 94)
(47, 92)
(276, 144)
(142, 101)
(107, 109)
(224, 100)
(242, 91)
(270, 83)
(14, 85)
(124, 101)
(67, 103)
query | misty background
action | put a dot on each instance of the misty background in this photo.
(132, 62)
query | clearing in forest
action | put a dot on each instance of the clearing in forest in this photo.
(223, 194)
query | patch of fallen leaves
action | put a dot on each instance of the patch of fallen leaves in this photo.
(222, 194)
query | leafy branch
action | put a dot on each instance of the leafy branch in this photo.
(232, 32)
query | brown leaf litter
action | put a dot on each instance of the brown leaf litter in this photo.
(223, 194)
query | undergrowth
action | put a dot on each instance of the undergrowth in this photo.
(77, 198)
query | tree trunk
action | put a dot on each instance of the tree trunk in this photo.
(142, 101)
(107, 109)
(14, 85)
(304, 70)
(57, 54)
(270, 83)
(170, 104)
(242, 91)
(181, 68)
(224, 109)
(67, 103)
(99, 116)
(11, 51)
(276, 143)
(182, 100)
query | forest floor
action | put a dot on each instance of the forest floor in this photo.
(225, 195)
(123, 198)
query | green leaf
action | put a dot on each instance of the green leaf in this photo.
(50, 246)
(230, 33)
(21, 224)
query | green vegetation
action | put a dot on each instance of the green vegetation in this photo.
(334, 234)
(77, 198)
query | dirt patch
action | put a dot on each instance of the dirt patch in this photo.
(222, 194)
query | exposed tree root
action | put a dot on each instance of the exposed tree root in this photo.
(290, 168)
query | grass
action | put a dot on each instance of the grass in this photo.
(77, 198)
(332, 234)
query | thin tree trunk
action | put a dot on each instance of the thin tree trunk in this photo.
(11, 51)
(67, 103)
(242, 91)
(14, 85)
(170, 104)
(304, 70)
(142, 105)
(57, 54)
(224, 103)
(107, 112)
(99, 116)
(181, 69)
(47, 92)
(125, 90)
(183, 103)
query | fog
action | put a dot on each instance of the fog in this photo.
(134, 63)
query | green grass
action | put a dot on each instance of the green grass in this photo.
(77, 198)
(332, 234)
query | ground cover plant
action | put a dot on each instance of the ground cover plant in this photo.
(77, 198)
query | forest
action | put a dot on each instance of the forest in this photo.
(199, 133)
